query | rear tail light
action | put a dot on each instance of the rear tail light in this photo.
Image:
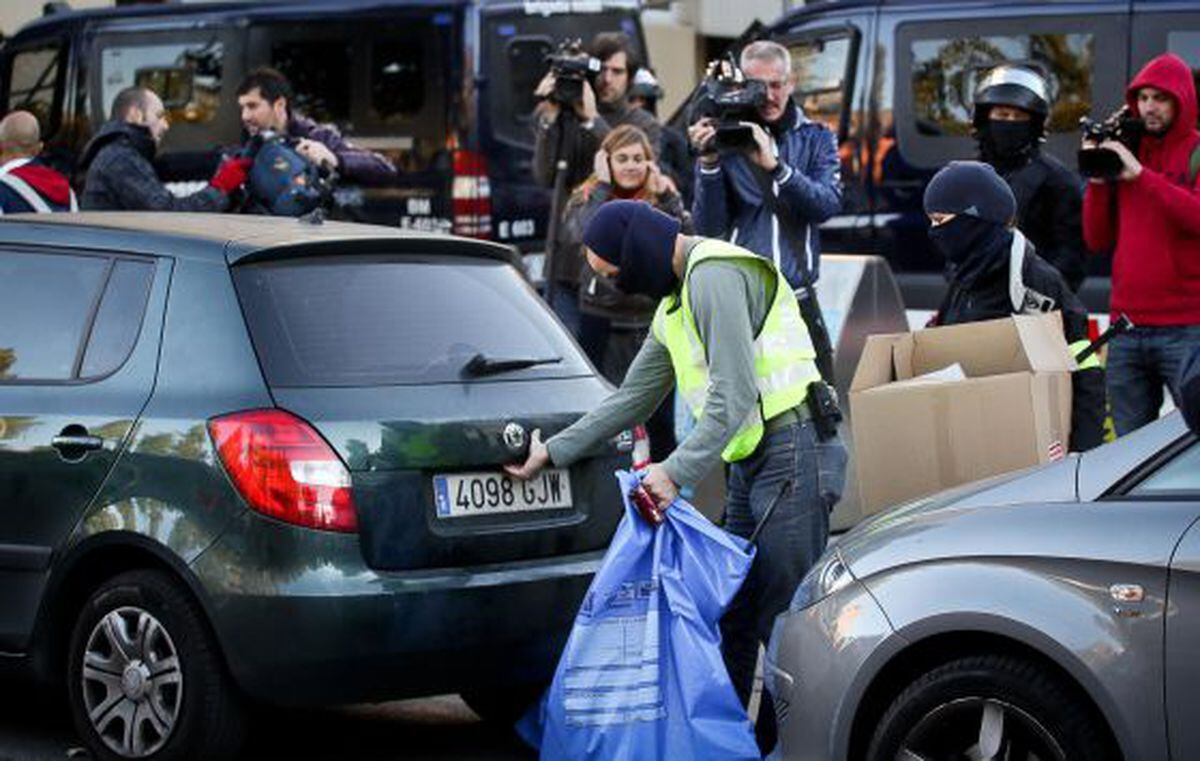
(284, 469)
(471, 195)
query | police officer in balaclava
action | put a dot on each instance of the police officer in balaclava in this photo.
(1012, 105)
(994, 272)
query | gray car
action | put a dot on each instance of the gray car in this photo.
(1051, 614)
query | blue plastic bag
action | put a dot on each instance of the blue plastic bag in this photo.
(642, 677)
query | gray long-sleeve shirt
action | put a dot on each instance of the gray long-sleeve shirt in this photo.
(729, 300)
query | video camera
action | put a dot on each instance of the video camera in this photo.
(730, 99)
(1121, 126)
(281, 182)
(571, 66)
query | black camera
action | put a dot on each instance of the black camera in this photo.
(730, 99)
(1121, 126)
(571, 66)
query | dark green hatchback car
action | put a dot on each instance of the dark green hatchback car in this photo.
(258, 460)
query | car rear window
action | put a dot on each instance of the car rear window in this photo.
(379, 320)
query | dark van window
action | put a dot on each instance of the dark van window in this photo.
(381, 321)
(46, 304)
(527, 66)
(945, 72)
(118, 319)
(820, 66)
(185, 74)
(33, 85)
(397, 79)
(319, 71)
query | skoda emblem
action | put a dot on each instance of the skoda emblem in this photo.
(514, 437)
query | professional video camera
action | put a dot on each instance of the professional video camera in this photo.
(571, 66)
(1121, 126)
(281, 182)
(730, 99)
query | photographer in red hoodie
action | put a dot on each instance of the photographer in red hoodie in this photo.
(1149, 216)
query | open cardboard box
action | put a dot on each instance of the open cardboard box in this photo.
(914, 436)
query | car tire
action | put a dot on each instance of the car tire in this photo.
(990, 705)
(144, 677)
(503, 707)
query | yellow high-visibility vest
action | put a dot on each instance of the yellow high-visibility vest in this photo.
(784, 359)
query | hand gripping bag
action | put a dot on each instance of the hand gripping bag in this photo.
(642, 677)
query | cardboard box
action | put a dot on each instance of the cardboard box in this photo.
(915, 436)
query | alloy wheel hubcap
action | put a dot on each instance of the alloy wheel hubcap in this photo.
(979, 729)
(132, 682)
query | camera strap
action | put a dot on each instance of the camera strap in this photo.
(810, 308)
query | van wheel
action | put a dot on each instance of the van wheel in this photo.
(144, 677)
(503, 706)
(993, 707)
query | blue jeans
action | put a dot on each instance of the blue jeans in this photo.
(789, 543)
(1140, 363)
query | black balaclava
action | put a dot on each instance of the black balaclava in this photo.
(978, 239)
(640, 240)
(1008, 144)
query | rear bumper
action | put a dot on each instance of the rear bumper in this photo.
(302, 621)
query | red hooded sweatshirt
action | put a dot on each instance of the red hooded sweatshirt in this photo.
(1156, 230)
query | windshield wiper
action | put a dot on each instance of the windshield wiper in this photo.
(481, 364)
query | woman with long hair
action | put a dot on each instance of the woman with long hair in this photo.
(614, 324)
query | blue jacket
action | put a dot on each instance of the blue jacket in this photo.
(808, 185)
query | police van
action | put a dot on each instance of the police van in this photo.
(443, 88)
(894, 80)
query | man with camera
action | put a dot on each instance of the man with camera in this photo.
(1012, 104)
(732, 342)
(770, 193)
(571, 119)
(1154, 234)
(264, 98)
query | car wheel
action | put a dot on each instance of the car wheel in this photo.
(144, 677)
(503, 706)
(987, 707)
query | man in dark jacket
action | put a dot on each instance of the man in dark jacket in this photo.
(994, 272)
(28, 184)
(793, 159)
(1011, 106)
(120, 175)
(600, 110)
(1155, 240)
(265, 97)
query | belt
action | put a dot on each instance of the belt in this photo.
(796, 415)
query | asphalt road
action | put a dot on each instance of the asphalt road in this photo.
(430, 730)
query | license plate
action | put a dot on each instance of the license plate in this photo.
(464, 494)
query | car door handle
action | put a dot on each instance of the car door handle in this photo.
(74, 442)
(87, 443)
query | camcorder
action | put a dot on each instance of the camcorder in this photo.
(1121, 126)
(571, 66)
(729, 99)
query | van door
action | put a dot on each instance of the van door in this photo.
(932, 67)
(1170, 27)
(79, 340)
(830, 63)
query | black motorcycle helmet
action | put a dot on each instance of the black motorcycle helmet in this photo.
(1013, 85)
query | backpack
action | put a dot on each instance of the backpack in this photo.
(281, 182)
